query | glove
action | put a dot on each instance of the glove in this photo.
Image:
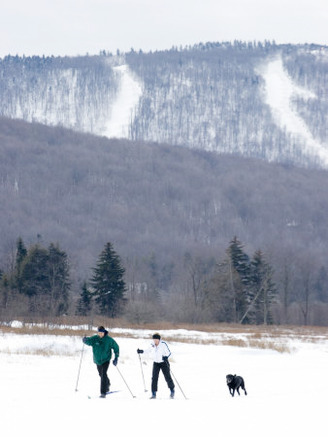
(84, 339)
(140, 351)
(115, 361)
(165, 359)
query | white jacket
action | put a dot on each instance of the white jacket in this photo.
(158, 352)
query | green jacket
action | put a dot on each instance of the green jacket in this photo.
(102, 348)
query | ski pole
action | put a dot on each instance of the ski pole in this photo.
(78, 375)
(178, 384)
(125, 382)
(143, 376)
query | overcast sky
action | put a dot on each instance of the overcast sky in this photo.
(72, 27)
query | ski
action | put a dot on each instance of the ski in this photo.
(108, 393)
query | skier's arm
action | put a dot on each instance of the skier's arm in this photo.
(90, 340)
(165, 350)
(148, 351)
(115, 348)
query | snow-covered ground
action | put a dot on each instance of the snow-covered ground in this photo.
(279, 93)
(286, 391)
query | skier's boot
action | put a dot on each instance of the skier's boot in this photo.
(153, 395)
(172, 394)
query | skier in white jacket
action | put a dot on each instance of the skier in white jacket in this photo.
(160, 353)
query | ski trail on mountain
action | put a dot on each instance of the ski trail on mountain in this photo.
(279, 92)
(123, 108)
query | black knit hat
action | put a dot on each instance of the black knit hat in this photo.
(102, 329)
(156, 336)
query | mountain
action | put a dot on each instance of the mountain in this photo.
(258, 100)
(80, 190)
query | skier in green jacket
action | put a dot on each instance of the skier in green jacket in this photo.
(102, 347)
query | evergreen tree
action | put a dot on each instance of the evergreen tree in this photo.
(264, 290)
(239, 272)
(107, 281)
(240, 260)
(59, 283)
(4, 291)
(35, 279)
(44, 278)
(84, 303)
(21, 253)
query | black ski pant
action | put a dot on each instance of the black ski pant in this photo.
(104, 380)
(165, 368)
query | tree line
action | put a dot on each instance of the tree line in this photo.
(233, 288)
(164, 208)
(39, 284)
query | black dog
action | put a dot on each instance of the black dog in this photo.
(234, 382)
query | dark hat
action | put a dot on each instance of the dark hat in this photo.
(102, 329)
(156, 336)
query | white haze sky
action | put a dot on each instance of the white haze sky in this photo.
(77, 27)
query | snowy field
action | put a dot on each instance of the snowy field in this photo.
(286, 391)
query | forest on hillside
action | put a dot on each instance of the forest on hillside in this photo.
(170, 213)
(209, 96)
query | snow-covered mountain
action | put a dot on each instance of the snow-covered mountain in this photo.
(255, 100)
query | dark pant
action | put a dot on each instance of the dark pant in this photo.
(104, 380)
(165, 368)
